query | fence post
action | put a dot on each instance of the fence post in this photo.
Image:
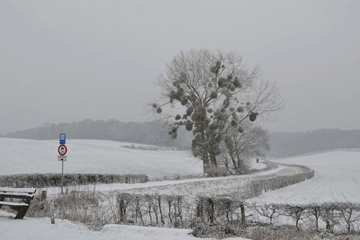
(43, 195)
(243, 220)
(52, 209)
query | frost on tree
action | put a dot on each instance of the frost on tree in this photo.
(216, 95)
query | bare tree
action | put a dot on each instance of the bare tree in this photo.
(215, 94)
(238, 148)
(268, 210)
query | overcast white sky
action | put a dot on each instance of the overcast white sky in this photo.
(64, 61)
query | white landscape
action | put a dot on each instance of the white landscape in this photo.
(336, 178)
(94, 156)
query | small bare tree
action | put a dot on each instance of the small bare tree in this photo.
(296, 212)
(268, 210)
(238, 148)
(349, 212)
(330, 215)
(314, 212)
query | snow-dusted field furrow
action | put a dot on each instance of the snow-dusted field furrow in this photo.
(337, 178)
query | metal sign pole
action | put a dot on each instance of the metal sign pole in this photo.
(62, 177)
(62, 151)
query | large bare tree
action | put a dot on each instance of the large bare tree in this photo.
(213, 94)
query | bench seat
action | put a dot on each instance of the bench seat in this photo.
(21, 190)
(14, 204)
(26, 194)
(17, 195)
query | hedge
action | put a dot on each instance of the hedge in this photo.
(54, 179)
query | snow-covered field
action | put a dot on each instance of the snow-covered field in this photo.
(337, 178)
(93, 156)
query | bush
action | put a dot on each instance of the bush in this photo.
(73, 179)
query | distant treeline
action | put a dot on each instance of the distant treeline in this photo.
(282, 144)
(153, 133)
(285, 144)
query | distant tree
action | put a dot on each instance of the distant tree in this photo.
(238, 148)
(215, 94)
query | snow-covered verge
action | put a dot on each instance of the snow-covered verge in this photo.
(42, 229)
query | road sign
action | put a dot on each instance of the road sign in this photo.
(62, 150)
(62, 158)
(62, 138)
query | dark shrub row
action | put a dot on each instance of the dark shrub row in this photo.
(175, 211)
(329, 217)
(210, 213)
(151, 210)
(321, 218)
(212, 209)
(270, 184)
(72, 179)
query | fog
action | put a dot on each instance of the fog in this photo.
(65, 61)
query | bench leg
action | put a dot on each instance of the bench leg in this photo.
(21, 212)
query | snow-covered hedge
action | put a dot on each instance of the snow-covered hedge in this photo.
(73, 179)
(175, 211)
(208, 216)
(152, 210)
(321, 218)
(269, 184)
(331, 217)
(217, 209)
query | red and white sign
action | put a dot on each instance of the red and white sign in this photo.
(62, 150)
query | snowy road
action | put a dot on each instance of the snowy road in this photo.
(238, 185)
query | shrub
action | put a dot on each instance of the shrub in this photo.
(70, 179)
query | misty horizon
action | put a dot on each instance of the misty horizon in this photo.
(67, 61)
(105, 120)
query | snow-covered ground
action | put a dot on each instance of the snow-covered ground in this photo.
(96, 156)
(337, 178)
(93, 156)
(42, 229)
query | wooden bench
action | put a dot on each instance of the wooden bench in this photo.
(26, 194)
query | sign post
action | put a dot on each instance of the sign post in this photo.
(62, 150)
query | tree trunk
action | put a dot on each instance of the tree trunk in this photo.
(206, 164)
(213, 161)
